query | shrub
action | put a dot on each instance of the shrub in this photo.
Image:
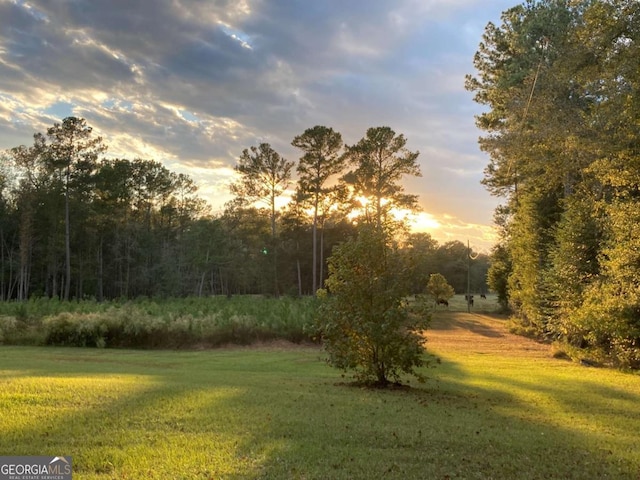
(8, 328)
(439, 288)
(365, 324)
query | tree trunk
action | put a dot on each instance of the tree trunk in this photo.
(275, 247)
(12, 282)
(314, 269)
(321, 257)
(25, 253)
(2, 282)
(80, 285)
(67, 239)
(201, 285)
(100, 287)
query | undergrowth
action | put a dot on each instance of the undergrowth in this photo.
(153, 323)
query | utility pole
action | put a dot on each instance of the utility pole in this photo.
(468, 278)
(469, 258)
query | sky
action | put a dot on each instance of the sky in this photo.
(192, 83)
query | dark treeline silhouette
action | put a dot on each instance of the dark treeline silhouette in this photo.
(74, 225)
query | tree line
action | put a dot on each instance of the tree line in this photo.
(75, 223)
(560, 80)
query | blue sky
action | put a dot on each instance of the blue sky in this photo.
(193, 82)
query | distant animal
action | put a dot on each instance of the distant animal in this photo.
(482, 295)
(469, 299)
(442, 301)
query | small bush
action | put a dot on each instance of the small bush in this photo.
(8, 327)
(79, 330)
(365, 324)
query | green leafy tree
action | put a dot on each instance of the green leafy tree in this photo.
(498, 274)
(421, 248)
(575, 264)
(247, 231)
(453, 264)
(608, 320)
(438, 288)
(531, 241)
(365, 323)
(74, 151)
(539, 139)
(9, 228)
(322, 159)
(29, 164)
(379, 162)
(500, 266)
(263, 177)
(560, 80)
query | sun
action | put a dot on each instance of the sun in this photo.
(418, 221)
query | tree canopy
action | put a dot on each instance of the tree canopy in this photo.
(560, 82)
(366, 324)
(135, 228)
(378, 162)
(322, 159)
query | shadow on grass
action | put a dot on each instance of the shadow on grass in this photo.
(126, 414)
(456, 320)
(254, 414)
(452, 428)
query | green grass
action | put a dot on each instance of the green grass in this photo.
(489, 410)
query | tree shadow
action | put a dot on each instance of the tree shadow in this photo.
(241, 414)
(453, 428)
(130, 414)
(464, 321)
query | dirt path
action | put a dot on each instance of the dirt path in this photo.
(479, 333)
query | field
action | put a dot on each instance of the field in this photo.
(494, 406)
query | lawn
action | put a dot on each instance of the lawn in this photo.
(496, 406)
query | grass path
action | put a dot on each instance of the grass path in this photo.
(496, 407)
(468, 334)
(571, 414)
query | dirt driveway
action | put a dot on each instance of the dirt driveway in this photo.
(479, 333)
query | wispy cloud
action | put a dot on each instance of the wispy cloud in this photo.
(192, 83)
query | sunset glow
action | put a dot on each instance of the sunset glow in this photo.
(422, 222)
(192, 84)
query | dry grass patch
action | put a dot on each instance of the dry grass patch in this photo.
(474, 333)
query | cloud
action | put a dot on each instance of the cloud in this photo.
(192, 83)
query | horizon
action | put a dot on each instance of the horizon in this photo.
(191, 85)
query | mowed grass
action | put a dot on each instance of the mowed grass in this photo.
(497, 406)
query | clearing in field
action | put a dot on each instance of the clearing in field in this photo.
(497, 406)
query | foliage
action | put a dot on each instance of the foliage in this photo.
(264, 176)
(438, 288)
(365, 323)
(379, 161)
(73, 152)
(609, 318)
(321, 160)
(560, 82)
(177, 323)
(137, 229)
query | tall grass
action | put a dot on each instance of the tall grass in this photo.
(157, 323)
